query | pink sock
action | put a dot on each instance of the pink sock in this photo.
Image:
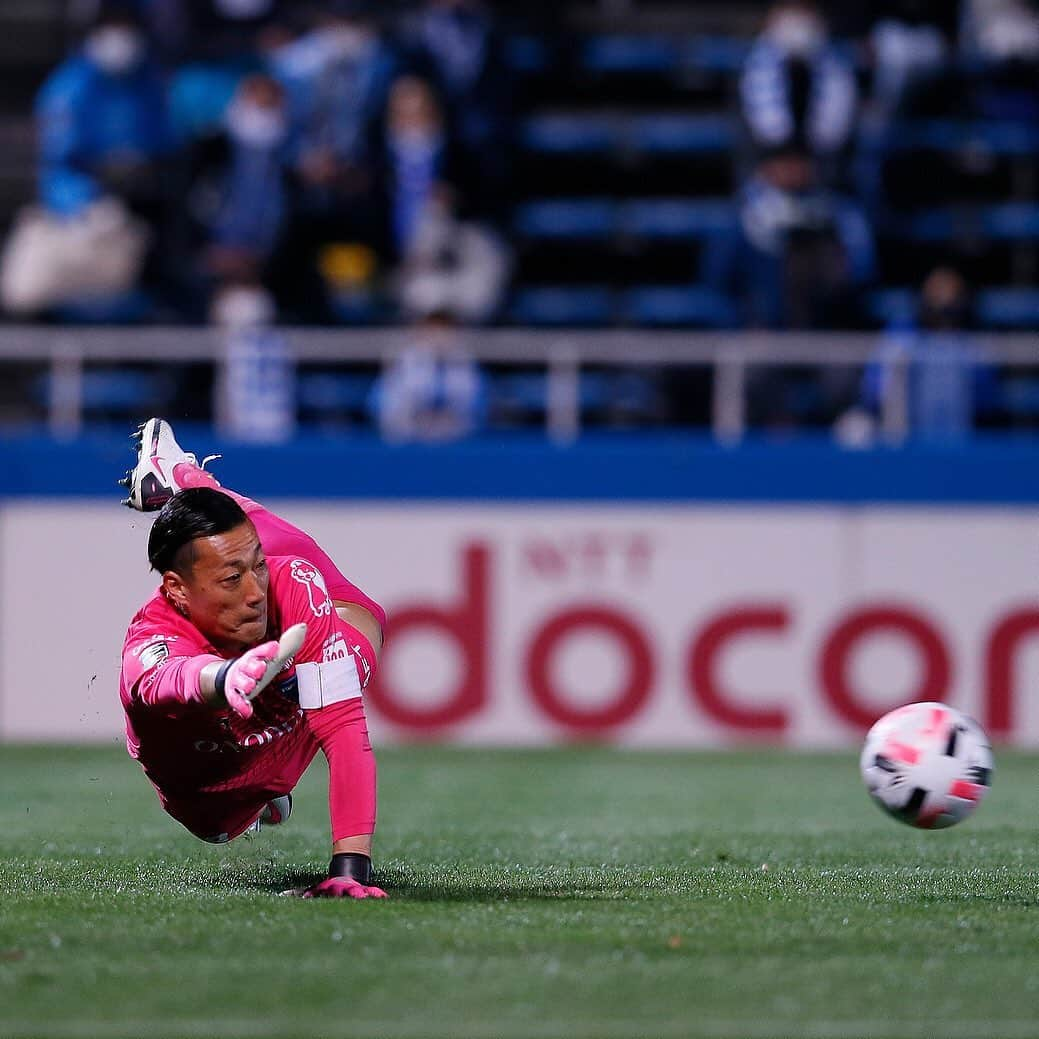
(188, 475)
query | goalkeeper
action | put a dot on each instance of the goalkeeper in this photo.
(251, 656)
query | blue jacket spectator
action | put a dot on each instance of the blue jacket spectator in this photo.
(237, 202)
(949, 383)
(911, 42)
(197, 30)
(419, 162)
(796, 89)
(797, 255)
(455, 43)
(434, 390)
(254, 192)
(336, 77)
(102, 120)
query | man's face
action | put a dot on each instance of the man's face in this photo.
(224, 593)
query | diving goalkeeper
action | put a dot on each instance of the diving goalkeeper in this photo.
(251, 656)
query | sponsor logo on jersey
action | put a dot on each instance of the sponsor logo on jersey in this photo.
(310, 577)
(250, 740)
(154, 652)
(334, 648)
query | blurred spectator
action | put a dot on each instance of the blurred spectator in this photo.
(452, 265)
(195, 30)
(257, 392)
(90, 261)
(418, 160)
(102, 121)
(434, 390)
(456, 44)
(1000, 30)
(796, 89)
(103, 139)
(948, 382)
(336, 77)
(240, 186)
(911, 43)
(1002, 37)
(915, 76)
(799, 255)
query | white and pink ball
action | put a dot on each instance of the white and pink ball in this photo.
(927, 764)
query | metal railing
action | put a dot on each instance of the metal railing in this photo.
(68, 350)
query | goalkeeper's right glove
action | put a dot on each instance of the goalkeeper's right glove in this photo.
(237, 680)
(243, 679)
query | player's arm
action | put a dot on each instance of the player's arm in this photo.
(363, 620)
(170, 682)
(334, 665)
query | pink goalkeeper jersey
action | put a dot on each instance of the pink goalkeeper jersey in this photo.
(187, 747)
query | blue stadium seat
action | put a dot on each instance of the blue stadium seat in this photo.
(561, 305)
(334, 393)
(659, 218)
(1012, 220)
(933, 225)
(721, 54)
(892, 306)
(676, 217)
(569, 134)
(957, 135)
(666, 134)
(1020, 395)
(525, 394)
(619, 53)
(662, 55)
(1008, 308)
(1005, 221)
(519, 395)
(693, 306)
(566, 218)
(526, 53)
(682, 134)
(121, 391)
(127, 308)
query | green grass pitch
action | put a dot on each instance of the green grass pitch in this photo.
(571, 893)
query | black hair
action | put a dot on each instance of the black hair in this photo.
(199, 512)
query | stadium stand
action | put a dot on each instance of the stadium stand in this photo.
(616, 151)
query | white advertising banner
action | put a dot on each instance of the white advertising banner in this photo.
(652, 625)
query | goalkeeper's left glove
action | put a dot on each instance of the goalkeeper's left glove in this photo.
(349, 876)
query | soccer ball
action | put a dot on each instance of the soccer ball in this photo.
(927, 764)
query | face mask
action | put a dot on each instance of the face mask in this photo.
(345, 41)
(415, 139)
(253, 125)
(115, 49)
(799, 35)
(243, 307)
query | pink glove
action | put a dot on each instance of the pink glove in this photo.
(238, 679)
(343, 887)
